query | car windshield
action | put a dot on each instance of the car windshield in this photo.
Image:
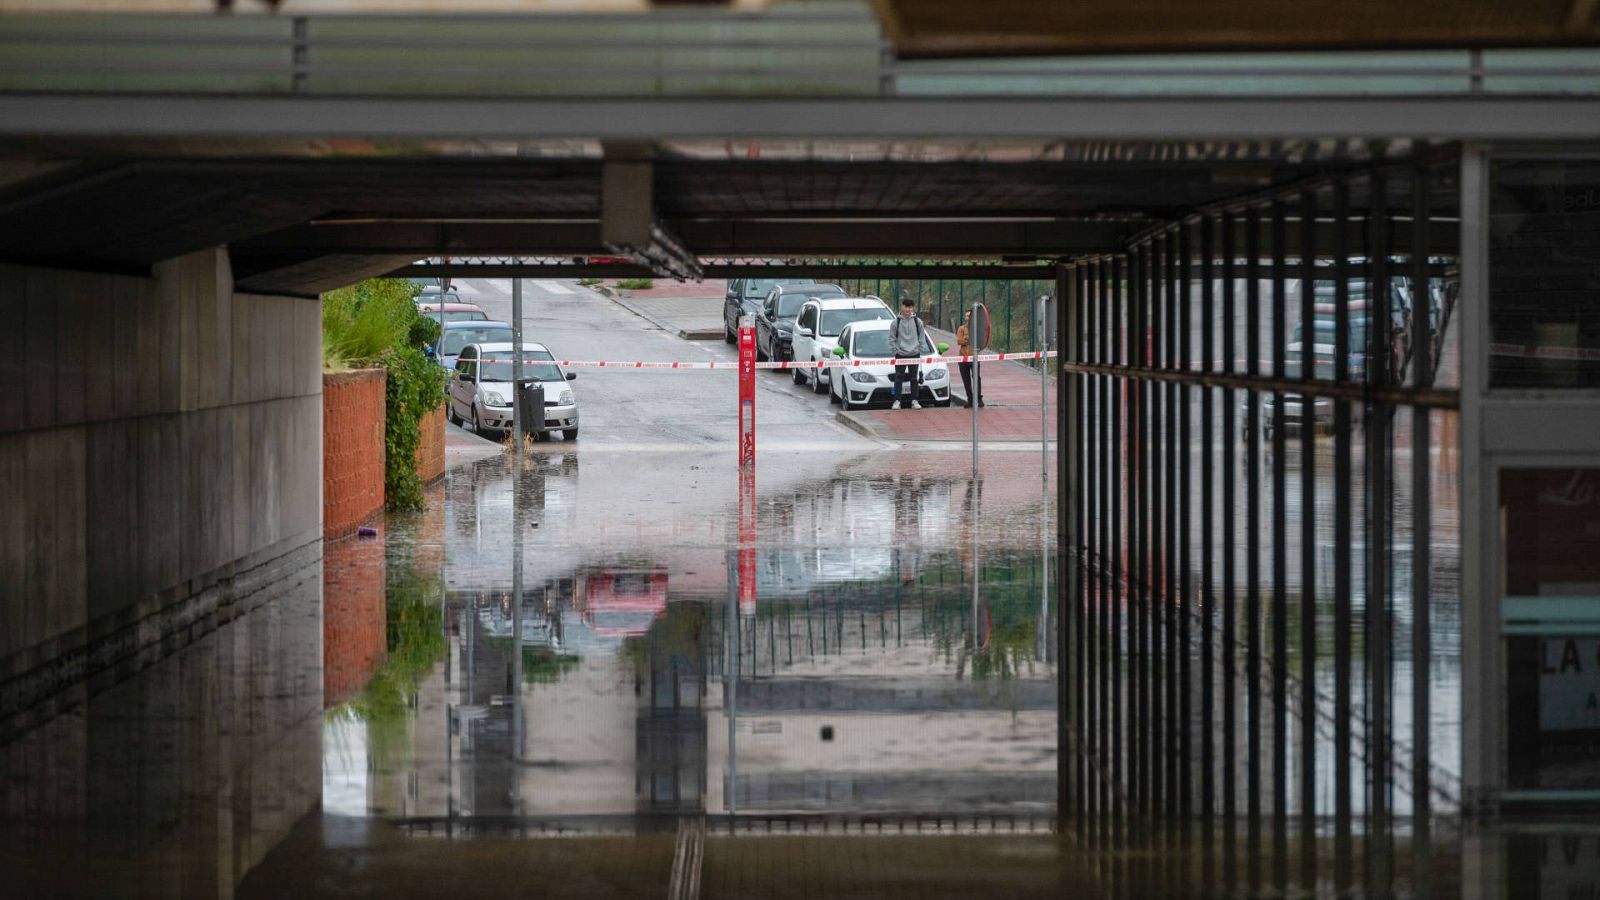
(499, 369)
(875, 345)
(834, 320)
(456, 338)
(759, 287)
(789, 305)
(470, 315)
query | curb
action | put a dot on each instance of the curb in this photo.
(861, 428)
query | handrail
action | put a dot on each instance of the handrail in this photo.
(783, 50)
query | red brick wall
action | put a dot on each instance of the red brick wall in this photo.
(430, 448)
(354, 640)
(352, 449)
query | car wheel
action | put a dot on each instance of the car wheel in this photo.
(450, 409)
(477, 426)
(728, 336)
(761, 355)
(833, 397)
(817, 385)
(799, 376)
(570, 434)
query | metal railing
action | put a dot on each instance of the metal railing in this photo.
(825, 49)
(802, 51)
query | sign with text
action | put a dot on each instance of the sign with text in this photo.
(1569, 683)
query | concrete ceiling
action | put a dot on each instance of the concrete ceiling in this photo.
(303, 225)
(943, 28)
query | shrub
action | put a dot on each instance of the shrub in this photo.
(377, 322)
(413, 389)
(363, 322)
(590, 282)
(636, 284)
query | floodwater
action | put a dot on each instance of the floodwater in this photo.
(406, 726)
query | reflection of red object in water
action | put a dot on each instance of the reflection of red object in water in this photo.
(624, 603)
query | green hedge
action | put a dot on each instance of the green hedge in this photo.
(376, 323)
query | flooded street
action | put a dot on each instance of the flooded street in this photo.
(397, 720)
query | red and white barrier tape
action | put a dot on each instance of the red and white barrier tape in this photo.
(788, 364)
(1531, 352)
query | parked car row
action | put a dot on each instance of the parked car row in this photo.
(798, 319)
(477, 352)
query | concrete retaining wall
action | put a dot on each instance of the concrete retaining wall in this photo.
(352, 449)
(160, 449)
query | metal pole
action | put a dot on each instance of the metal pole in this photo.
(517, 425)
(972, 399)
(1044, 478)
(1044, 484)
(1044, 398)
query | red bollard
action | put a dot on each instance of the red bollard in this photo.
(747, 467)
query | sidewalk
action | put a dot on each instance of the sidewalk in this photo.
(1010, 389)
(694, 317)
(462, 447)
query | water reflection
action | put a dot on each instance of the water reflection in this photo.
(869, 728)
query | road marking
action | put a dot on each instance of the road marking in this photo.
(552, 287)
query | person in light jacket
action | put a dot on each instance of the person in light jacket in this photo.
(969, 370)
(907, 337)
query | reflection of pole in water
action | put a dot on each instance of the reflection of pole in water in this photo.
(974, 508)
(730, 690)
(518, 497)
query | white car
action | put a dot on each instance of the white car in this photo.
(816, 331)
(480, 389)
(867, 385)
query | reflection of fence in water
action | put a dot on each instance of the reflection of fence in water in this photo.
(929, 618)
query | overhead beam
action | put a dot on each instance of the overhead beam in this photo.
(782, 237)
(1472, 117)
(628, 223)
(754, 269)
(709, 238)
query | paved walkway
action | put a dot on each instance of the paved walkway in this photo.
(697, 317)
(995, 423)
(462, 447)
(1012, 414)
(667, 288)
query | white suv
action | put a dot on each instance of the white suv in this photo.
(816, 331)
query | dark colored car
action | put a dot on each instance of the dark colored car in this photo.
(775, 318)
(744, 298)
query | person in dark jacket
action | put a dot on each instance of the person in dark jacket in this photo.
(969, 370)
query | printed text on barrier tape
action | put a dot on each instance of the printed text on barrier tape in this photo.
(819, 364)
(1544, 352)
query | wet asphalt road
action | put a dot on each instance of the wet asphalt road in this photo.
(654, 409)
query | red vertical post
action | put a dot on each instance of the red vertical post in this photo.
(747, 467)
